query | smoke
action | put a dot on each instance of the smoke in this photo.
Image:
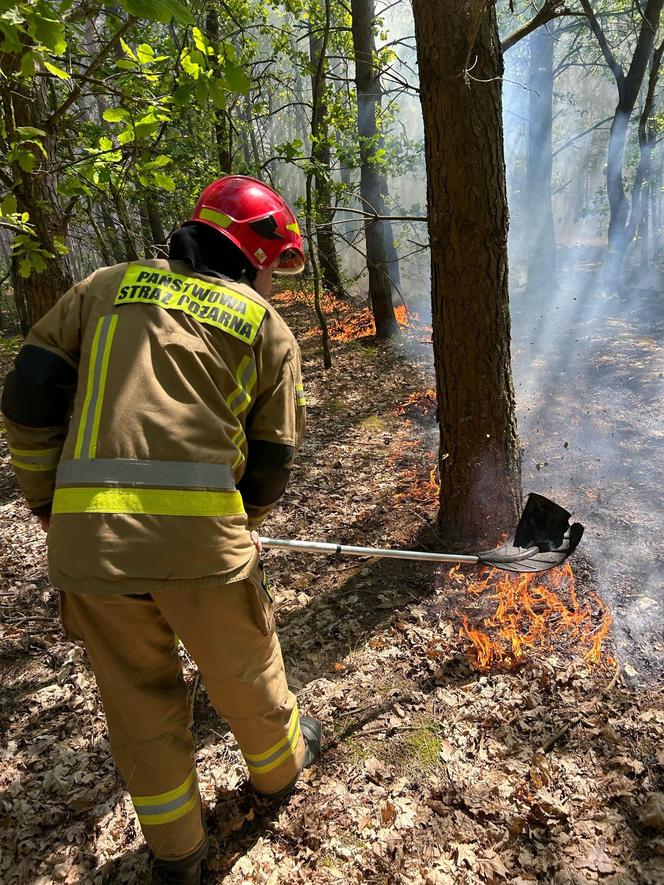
(588, 358)
(588, 352)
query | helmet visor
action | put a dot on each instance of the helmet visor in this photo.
(291, 261)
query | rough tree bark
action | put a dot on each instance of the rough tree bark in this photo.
(321, 155)
(539, 214)
(462, 111)
(373, 184)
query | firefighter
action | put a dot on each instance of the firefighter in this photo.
(153, 416)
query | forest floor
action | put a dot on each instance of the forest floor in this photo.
(542, 767)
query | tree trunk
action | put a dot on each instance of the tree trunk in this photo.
(373, 185)
(628, 85)
(321, 157)
(467, 206)
(539, 214)
(35, 194)
(156, 226)
(221, 125)
(125, 226)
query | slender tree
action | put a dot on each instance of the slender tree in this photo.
(321, 156)
(460, 66)
(539, 213)
(628, 85)
(373, 184)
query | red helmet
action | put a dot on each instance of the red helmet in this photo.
(254, 217)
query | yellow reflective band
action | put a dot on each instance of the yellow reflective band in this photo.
(282, 757)
(299, 394)
(102, 386)
(215, 217)
(35, 468)
(238, 441)
(36, 453)
(88, 393)
(240, 400)
(293, 724)
(88, 428)
(167, 807)
(162, 798)
(294, 226)
(155, 502)
(209, 303)
(168, 816)
(35, 460)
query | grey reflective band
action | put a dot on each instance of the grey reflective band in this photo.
(132, 473)
(144, 811)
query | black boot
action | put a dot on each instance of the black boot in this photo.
(186, 871)
(312, 732)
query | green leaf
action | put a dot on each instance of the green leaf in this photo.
(8, 205)
(159, 162)
(125, 65)
(145, 53)
(164, 181)
(199, 40)
(237, 78)
(26, 160)
(105, 143)
(28, 64)
(115, 115)
(60, 246)
(25, 267)
(48, 31)
(126, 136)
(218, 94)
(183, 93)
(128, 51)
(56, 71)
(29, 133)
(144, 129)
(159, 10)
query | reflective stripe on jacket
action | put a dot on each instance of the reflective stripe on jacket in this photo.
(155, 413)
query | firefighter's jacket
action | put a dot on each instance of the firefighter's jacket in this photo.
(154, 412)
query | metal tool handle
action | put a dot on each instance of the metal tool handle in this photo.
(344, 550)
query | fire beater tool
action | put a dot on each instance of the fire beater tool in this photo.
(543, 539)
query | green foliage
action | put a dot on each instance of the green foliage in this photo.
(159, 10)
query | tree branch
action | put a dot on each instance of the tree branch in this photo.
(96, 62)
(609, 57)
(549, 11)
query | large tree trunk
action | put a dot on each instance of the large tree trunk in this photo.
(479, 450)
(373, 184)
(321, 155)
(539, 214)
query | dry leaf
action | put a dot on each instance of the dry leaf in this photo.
(652, 815)
(388, 814)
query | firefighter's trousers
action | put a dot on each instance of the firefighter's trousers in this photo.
(132, 645)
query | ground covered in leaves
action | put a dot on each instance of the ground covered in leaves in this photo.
(547, 770)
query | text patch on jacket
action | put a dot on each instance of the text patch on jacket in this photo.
(214, 305)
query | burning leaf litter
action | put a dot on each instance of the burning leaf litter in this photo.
(534, 614)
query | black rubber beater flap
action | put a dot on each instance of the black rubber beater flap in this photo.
(543, 539)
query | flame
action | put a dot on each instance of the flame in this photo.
(533, 612)
(421, 403)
